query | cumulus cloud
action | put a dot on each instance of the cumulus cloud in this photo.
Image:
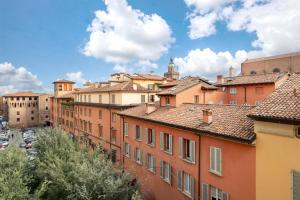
(120, 68)
(77, 77)
(122, 34)
(14, 79)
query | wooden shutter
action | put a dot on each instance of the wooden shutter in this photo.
(225, 196)
(296, 185)
(141, 133)
(153, 136)
(179, 180)
(161, 166)
(134, 131)
(205, 191)
(192, 150)
(146, 136)
(171, 143)
(180, 147)
(154, 163)
(161, 141)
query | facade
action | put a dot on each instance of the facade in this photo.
(277, 126)
(286, 63)
(27, 109)
(191, 151)
(96, 111)
(172, 73)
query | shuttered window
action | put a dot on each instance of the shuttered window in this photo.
(137, 132)
(165, 171)
(205, 191)
(127, 150)
(150, 136)
(138, 156)
(150, 162)
(296, 185)
(215, 160)
(187, 149)
(126, 129)
(166, 142)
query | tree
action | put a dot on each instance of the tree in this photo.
(70, 171)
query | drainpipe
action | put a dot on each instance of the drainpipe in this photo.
(110, 127)
(199, 152)
(245, 95)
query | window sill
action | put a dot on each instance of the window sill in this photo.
(150, 170)
(215, 173)
(138, 162)
(188, 161)
(139, 140)
(166, 181)
(151, 145)
(187, 194)
(168, 152)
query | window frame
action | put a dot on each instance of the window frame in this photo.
(213, 169)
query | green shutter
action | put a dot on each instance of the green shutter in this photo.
(153, 136)
(134, 131)
(141, 133)
(161, 141)
(146, 135)
(205, 191)
(180, 145)
(179, 180)
(192, 187)
(225, 196)
(192, 150)
(296, 185)
(161, 166)
(171, 143)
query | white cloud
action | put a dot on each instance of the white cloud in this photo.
(122, 34)
(120, 68)
(202, 26)
(77, 77)
(14, 79)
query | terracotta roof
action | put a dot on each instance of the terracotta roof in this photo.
(283, 104)
(123, 86)
(178, 86)
(63, 81)
(228, 121)
(272, 57)
(147, 77)
(252, 79)
(24, 94)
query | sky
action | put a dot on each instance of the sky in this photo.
(45, 40)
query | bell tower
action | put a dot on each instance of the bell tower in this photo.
(62, 87)
(172, 73)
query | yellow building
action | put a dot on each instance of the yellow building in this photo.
(277, 127)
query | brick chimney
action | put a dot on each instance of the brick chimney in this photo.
(150, 107)
(220, 79)
(207, 116)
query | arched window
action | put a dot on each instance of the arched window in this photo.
(253, 72)
(276, 70)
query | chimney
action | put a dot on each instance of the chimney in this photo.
(207, 116)
(231, 71)
(150, 107)
(220, 79)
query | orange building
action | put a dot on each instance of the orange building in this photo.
(190, 151)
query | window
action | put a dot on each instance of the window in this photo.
(100, 130)
(138, 155)
(23, 98)
(47, 108)
(150, 162)
(152, 98)
(46, 99)
(90, 127)
(215, 160)
(137, 132)
(90, 112)
(100, 98)
(84, 111)
(114, 117)
(71, 124)
(100, 114)
(232, 102)
(18, 119)
(150, 86)
(80, 111)
(32, 112)
(18, 112)
(71, 114)
(253, 72)
(32, 118)
(30, 98)
(215, 193)
(150, 136)
(276, 70)
(46, 116)
(259, 90)
(196, 99)
(232, 90)
(35, 98)
(187, 149)
(90, 98)
(167, 100)
(113, 99)
(126, 129)
(113, 155)
(297, 132)
(84, 98)
(113, 136)
(296, 185)
(18, 98)
(185, 183)
(166, 142)
(165, 171)
(127, 150)
(143, 98)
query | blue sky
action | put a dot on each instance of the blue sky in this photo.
(48, 37)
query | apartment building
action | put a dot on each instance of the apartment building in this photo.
(249, 89)
(96, 111)
(191, 151)
(285, 63)
(277, 126)
(27, 109)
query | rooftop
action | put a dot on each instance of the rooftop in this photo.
(253, 79)
(63, 81)
(283, 104)
(229, 121)
(272, 57)
(24, 94)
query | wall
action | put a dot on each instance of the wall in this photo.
(238, 168)
(276, 148)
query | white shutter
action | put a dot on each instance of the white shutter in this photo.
(147, 162)
(134, 131)
(171, 143)
(153, 136)
(146, 135)
(141, 133)
(141, 156)
(205, 191)
(134, 154)
(128, 150)
(161, 166)
(170, 173)
(154, 163)
(296, 185)
(179, 180)
(161, 141)
(212, 158)
(192, 150)
(180, 147)
(225, 196)
(218, 160)
(192, 187)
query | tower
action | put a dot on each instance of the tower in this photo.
(172, 73)
(62, 87)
